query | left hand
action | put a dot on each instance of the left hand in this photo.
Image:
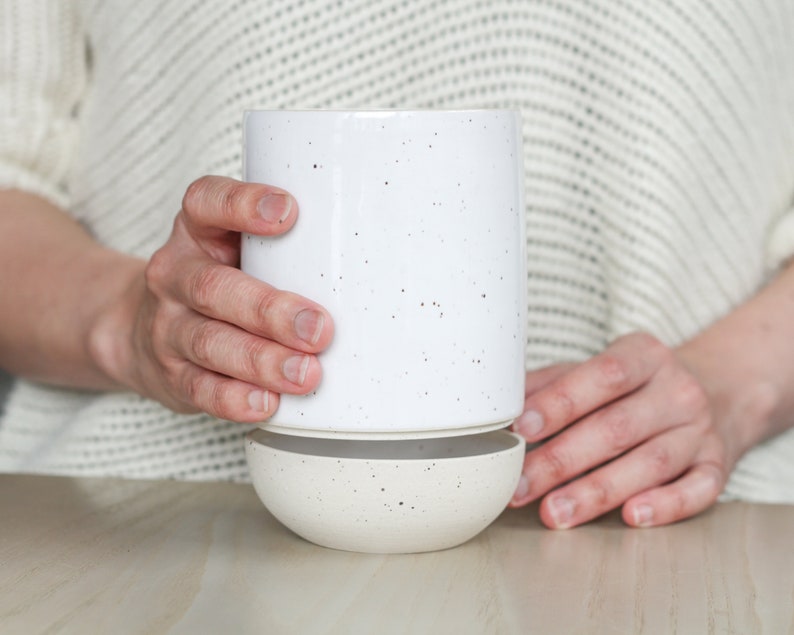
(632, 426)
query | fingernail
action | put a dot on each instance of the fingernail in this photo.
(309, 325)
(529, 424)
(522, 489)
(561, 510)
(275, 207)
(259, 400)
(643, 515)
(294, 368)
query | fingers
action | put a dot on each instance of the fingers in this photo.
(651, 464)
(530, 420)
(625, 366)
(215, 338)
(225, 293)
(691, 494)
(631, 427)
(673, 401)
(542, 377)
(647, 481)
(224, 397)
(230, 351)
(213, 205)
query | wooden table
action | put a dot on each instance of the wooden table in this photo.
(113, 556)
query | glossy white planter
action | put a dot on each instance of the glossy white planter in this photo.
(411, 233)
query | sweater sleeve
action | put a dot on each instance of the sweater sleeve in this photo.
(43, 71)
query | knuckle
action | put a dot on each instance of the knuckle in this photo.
(170, 377)
(195, 194)
(619, 429)
(206, 394)
(228, 198)
(680, 503)
(601, 493)
(555, 461)
(562, 404)
(660, 462)
(252, 360)
(613, 372)
(690, 395)
(218, 398)
(204, 285)
(202, 342)
(193, 387)
(266, 303)
(156, 271)
(236, 197)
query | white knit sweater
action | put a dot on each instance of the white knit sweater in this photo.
(659, 144)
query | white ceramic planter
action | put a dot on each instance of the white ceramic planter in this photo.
(411, 233)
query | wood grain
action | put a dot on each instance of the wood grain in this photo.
(115, 556)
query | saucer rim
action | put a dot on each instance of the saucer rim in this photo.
(384, 435)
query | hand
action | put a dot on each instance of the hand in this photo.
(632, 427)
(202, 335)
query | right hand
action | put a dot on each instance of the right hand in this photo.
(204, 336)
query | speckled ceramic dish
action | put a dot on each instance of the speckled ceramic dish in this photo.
(387, 496)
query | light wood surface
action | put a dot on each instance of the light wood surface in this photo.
(114, 556)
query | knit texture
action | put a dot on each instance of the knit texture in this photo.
(659, 156)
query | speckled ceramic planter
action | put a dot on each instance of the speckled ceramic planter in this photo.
(398, 496)
(411, 233)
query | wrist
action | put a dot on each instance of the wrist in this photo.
(110, 335)
(743, 398)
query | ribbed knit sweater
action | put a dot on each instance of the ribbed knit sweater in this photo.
(659, 156)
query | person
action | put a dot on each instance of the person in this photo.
(659, 155)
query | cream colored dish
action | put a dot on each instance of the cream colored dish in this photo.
(390, 496)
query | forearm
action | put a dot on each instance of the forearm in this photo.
(56, 287)
(746, 364)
